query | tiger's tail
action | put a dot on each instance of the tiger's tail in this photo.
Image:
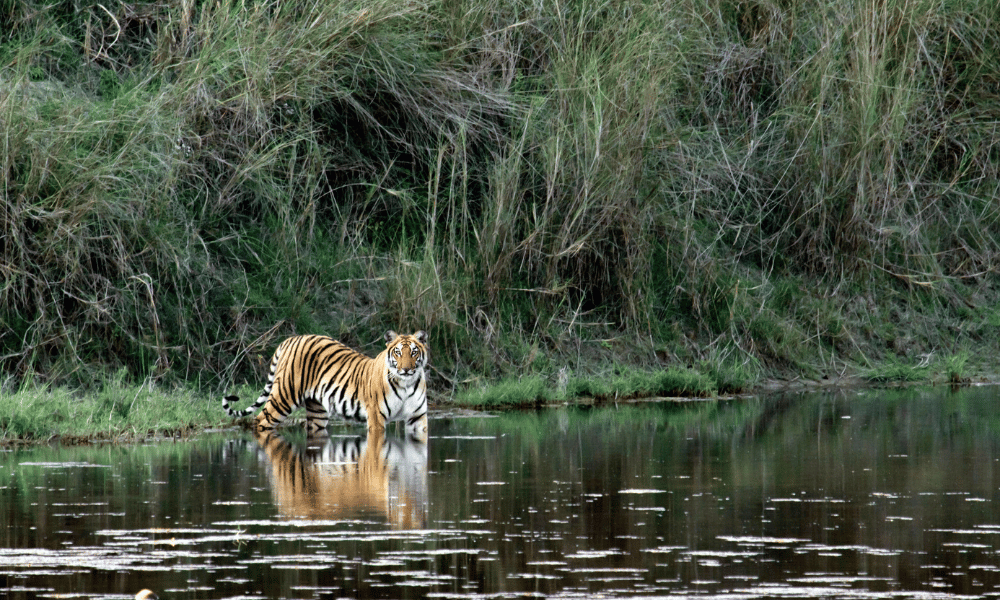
(261, 401)
(226, 400)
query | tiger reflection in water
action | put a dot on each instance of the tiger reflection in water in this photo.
(349, 478)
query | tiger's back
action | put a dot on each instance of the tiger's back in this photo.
(327, 378)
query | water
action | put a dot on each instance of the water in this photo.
(874, 495)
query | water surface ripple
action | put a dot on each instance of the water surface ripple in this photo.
(848, 495)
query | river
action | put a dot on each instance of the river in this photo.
(849, 494)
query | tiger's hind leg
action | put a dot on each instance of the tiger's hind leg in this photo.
(316, 418)
(227, 401)
(276, 408)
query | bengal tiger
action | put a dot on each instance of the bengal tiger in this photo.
(384, 477)
(329, 378)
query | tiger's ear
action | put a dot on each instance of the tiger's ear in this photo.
(421, 336)
(390, 337)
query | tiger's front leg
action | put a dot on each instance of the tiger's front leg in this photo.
(417, 428)
(375, 422)
(375, 431)
(316, 418)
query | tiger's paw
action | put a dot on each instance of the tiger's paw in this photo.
(417, 431)
(376, 430)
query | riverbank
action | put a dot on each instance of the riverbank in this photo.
(119, 412)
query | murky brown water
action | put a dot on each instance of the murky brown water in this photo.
(875, 495)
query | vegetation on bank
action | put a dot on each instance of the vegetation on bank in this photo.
(756, 189)
(116, 412)
(626, 385)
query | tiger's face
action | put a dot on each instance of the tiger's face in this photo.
(407, 354)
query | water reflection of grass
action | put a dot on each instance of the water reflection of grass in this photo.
(718, 418)
(927, 413)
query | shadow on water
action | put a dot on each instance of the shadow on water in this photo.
(880, 494)
(349, 478)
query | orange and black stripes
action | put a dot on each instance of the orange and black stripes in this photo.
(329, 378)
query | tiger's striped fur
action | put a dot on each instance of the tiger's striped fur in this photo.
(330, 378)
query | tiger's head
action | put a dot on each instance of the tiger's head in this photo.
(406, 355)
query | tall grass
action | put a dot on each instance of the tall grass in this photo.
(534, 183)
(841, 142)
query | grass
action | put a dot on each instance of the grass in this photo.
(753, 189)
(955, 367)
(529, 391)
(627, 383)
(117, 412)
(952, 369)
(635, 383)
(896, 372)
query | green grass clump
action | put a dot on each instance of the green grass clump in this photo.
(955, 367)
(637, 383)
(117, 411)
(626, 384)
(895, 371)
(527, 391)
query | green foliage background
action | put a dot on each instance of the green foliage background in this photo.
(759, 188)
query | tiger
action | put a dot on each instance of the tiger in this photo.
(384, 477)
(329, 378)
